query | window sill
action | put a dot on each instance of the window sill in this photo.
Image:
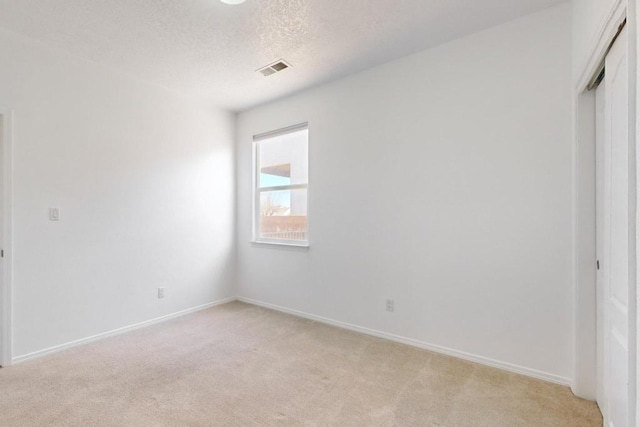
(302, 246)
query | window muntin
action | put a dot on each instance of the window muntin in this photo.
(281, 186)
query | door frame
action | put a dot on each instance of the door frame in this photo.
(584, 188)
(6, 243)
(584, 244)
(600, 99)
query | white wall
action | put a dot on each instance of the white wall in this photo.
(145, 185)
(444, 181)
(635, 12)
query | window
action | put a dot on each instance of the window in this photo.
(281, 186)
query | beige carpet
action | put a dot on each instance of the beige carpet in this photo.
(241, 365)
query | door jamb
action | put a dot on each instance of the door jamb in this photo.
(6, 287)
(584, 242)
(584, 276)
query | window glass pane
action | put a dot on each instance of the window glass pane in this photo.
(283, 215)
(272, 176)
(283, 159)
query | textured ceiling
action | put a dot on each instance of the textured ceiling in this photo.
(209, 49)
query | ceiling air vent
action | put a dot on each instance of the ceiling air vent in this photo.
(273, 68)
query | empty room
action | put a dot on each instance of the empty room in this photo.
(319, 213)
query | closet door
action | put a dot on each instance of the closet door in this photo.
(615, 271)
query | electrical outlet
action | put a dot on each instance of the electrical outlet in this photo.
(160, 292)
(390, 305)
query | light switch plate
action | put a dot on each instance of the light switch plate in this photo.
(54, 214)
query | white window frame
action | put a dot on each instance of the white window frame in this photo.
(257, 190)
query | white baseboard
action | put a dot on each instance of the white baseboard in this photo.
(556, 379)
(87, 340)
